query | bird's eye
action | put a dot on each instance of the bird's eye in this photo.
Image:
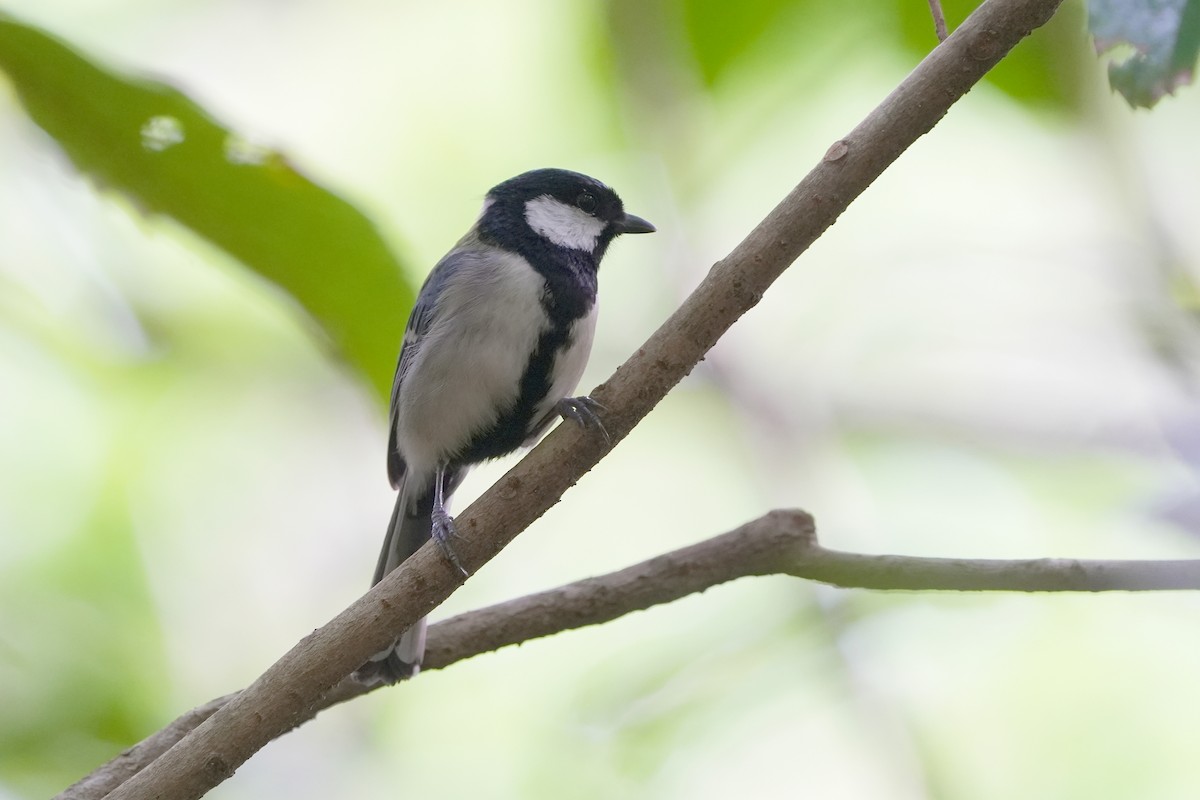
(586, 202)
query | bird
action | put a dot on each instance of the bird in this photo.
(496, 342)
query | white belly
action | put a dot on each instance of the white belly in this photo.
(470, 362)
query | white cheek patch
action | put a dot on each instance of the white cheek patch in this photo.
(562, 224)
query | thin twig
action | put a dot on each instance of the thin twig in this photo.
(939, 19)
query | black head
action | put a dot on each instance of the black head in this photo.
(556, 209)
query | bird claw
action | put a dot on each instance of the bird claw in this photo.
(582, 411)
(443, 531)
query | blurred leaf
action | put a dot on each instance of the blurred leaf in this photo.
(101, 668)
(1043, 70)
(1166, 36)
(155, 145)
(721, 32)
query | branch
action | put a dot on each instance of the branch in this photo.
(782, 542)
(939, 19)
(107, 777)
(292, 688)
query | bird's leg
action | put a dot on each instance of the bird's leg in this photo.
(582, 411)
(443, 525)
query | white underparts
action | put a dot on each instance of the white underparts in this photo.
(469, 363)
(566, 226)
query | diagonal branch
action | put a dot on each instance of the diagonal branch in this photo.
(782, 542)
(291, 688)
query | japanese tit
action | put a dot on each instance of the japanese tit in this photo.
(497, 340)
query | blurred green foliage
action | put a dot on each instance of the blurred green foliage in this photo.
(1035, 73)
(106, 640)
(152, 143)
(720, 34)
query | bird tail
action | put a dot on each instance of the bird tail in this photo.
(408, 529)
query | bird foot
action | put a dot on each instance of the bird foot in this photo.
(443, 531)
(583, 412)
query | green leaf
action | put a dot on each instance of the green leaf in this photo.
(1165, 35)
(721, 32)
(149, 141)
(1043, 70)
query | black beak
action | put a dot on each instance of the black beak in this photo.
(633, 224)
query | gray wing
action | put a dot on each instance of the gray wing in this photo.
(419, 321)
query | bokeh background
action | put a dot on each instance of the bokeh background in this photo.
(990, 355)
